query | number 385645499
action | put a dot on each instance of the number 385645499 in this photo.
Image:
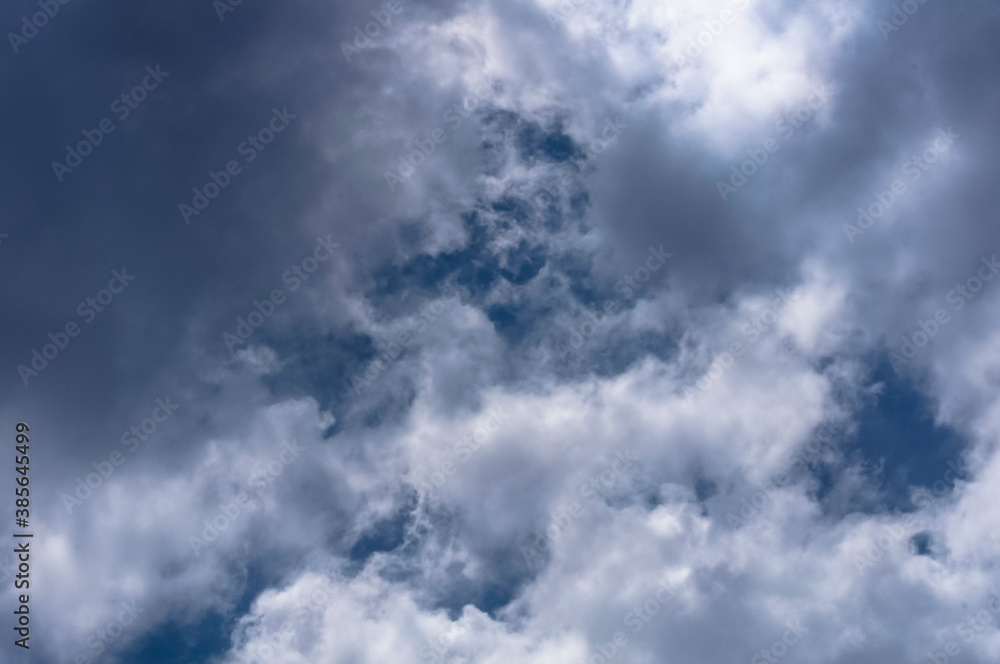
(22, 462)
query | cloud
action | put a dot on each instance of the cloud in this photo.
(553, 399)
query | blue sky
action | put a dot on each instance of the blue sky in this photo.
(483, 323)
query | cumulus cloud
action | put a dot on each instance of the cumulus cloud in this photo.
(651, 332)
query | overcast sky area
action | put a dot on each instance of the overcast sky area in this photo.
(443, 331)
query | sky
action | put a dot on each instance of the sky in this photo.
(632, 331)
